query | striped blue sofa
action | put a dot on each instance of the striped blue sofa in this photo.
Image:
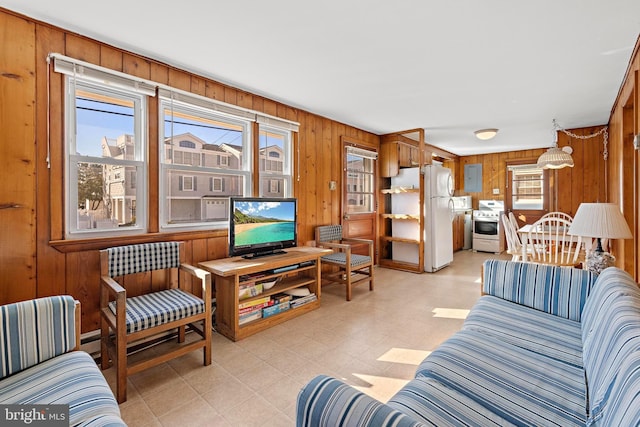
(543, 346)
(40, 363)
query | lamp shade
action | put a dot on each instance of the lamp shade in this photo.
(600, 220)
(555, 158)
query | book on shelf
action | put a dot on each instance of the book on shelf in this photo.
(254, 302)
(275, 309)
(297, 302)
(248, 290)
(249, 317)
(280, 298)
(255, 307)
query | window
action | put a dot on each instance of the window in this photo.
(274, 186)
(205, 154)
(360, 176)
(527, 190)
(186, 183)
(216, 184)
(275, 162)
(105, 136)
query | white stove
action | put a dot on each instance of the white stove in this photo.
(488, 234)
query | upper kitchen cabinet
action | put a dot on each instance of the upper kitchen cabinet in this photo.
(401, 150)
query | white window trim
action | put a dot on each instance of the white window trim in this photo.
(198, 105)
(287, 158)
(71, 177)
(213, 184)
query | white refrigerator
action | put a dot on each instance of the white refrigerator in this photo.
(438, 216)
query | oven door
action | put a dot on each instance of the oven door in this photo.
(485, 228)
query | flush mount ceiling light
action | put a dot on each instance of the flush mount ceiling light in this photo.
(485, 134)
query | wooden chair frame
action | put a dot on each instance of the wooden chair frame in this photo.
(111, 290)
(557, 214)
(550, 243)
(514, 246)
(349, 275)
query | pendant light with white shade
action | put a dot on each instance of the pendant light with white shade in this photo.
(554, 157)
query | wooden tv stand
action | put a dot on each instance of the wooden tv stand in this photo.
(296, 268)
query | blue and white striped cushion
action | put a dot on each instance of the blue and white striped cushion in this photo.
(157, 308)
(610, 335)
(562, 291)
(431, 402)
(341, 258)
(144, 257)
(34, 331)
(70, 379)
(328, 402)
(533, 330)
(518, 385)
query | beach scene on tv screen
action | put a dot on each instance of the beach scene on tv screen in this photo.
(263, 222)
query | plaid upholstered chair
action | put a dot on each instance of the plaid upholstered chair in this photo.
(166, 303)
(353, 268)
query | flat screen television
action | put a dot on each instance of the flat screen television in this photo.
(260, 226)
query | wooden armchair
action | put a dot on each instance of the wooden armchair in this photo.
(353, 268)
(169, 305)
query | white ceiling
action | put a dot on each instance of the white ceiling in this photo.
(450, 67)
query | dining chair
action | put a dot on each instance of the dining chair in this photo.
(353, 268)
(514, 220)
(169, 303)
(514, 246)
(550, 243)
(558, 214)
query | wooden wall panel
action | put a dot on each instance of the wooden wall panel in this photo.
(573, 185)
(17, 159)
(51, 263)
(73, 267)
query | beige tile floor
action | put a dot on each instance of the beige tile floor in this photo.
(373, 342)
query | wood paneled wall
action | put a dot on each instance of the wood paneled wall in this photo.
(583, 183)
(623, 175)
(34, 260)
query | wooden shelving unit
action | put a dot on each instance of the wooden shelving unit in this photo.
(400, 151)
(297, 268)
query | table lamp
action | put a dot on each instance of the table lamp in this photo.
(599, 221)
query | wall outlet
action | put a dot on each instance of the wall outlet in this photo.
(496, 191)
(332, 185)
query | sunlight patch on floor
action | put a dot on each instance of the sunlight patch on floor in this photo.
(450, 313)
(404, 355)
(381, 388)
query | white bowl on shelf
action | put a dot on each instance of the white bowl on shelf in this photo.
(269, 284)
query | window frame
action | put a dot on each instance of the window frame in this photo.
(145, 178)
(531, 215)
(244, 173)
(286, 174)
(72, 83)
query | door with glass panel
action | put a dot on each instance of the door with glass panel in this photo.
(359, 200)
